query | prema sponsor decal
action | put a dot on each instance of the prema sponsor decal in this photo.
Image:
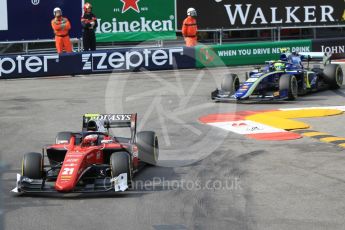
(110, 117)
(247, 14)
(3, 15)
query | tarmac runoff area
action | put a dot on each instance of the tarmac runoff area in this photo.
(207, 178)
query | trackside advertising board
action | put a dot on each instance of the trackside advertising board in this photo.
(246, 53)
(134, 20)
(330, 45)
(215, 14)
(107, 61)
(30, 19)
(3, 15)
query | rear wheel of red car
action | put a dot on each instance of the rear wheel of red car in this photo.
(120, 163)
(289, 82)
(147, 142)
(32, 165)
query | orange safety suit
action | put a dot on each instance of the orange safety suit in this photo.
(61, 27)
(189, 31)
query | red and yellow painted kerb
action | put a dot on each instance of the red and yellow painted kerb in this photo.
(277, 124)
(323, 137)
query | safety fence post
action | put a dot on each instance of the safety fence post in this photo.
(221, 36)
(2, 168)
(279, 33)
(26, 48)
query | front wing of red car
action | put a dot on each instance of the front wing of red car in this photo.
(27, 185)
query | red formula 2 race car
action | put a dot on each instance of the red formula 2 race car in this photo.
(91, 160)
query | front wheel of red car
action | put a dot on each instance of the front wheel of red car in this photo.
(32, 165)
(120, 163)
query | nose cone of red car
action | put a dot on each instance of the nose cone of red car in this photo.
(69, 173)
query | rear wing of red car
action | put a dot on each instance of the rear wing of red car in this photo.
(113, 121)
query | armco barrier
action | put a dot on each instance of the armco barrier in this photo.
(246, 53)
(97, 62)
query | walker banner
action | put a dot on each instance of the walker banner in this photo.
(3, 15)
(134, 20)
(230, 14)
(22, 20)
(106, 61)
(247, 53)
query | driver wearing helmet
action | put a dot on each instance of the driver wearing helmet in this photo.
(279, 66)
(91, 140)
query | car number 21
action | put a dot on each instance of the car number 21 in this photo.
(67, 171)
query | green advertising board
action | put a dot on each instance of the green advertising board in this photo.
(246, 53)
(134, 20)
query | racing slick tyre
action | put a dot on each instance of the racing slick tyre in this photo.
(289, 82)
(120, 163)
(148, 147)
(230, 83)
(63, 137)
(333, 75)
(32, 165)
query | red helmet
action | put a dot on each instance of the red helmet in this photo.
(87, 6)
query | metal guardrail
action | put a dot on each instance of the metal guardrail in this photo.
(218, 38)
(2, 168)
(276, 31)
(100, 46)
(26, 43)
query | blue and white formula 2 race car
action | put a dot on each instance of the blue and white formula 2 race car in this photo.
(284, 79)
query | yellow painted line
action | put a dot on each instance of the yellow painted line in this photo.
(282, 119)
(314, 134)
(307, 113)
(331, 139)
(342, 145)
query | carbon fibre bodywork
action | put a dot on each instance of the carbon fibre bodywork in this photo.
(263, 84)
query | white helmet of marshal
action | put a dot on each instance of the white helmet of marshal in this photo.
(56, 10)
(191, 12)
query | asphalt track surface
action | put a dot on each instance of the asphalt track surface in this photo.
(207, 178)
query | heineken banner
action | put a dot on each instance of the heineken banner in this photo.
(134, 20)
(246, 54)
(229, 14)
